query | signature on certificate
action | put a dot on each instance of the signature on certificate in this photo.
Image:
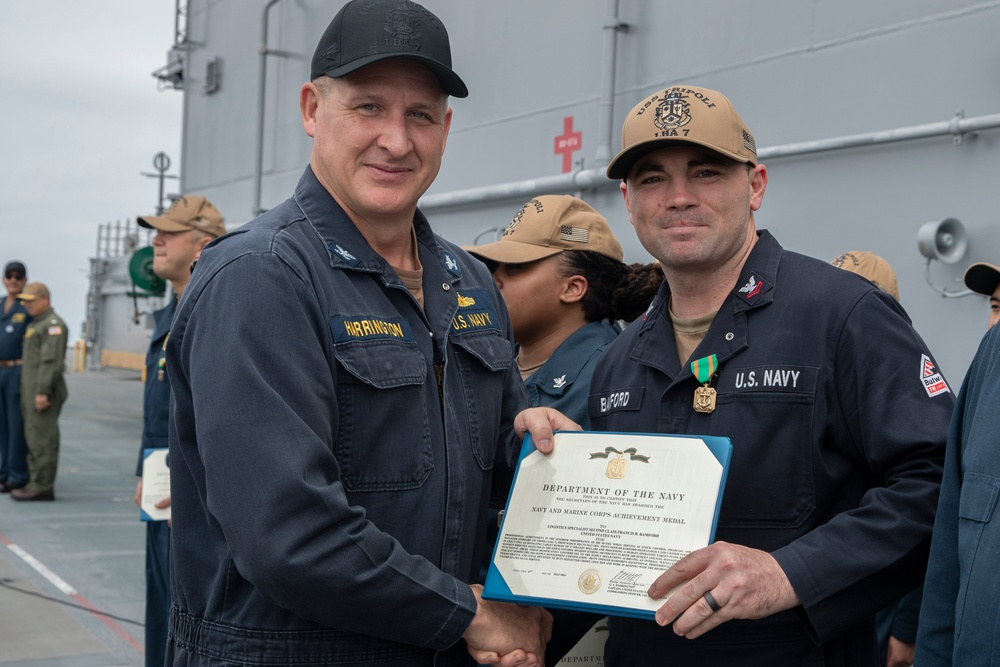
(626, 576)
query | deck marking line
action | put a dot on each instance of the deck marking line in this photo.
(52, 577)
(57, 581)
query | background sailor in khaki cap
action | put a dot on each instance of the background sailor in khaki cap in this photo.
(181, 234)
(870, 266)
(182, 231)
(186, 213)
(896, 625)
(560, 272)
(559, 269)
(985, 279)
(43, 391)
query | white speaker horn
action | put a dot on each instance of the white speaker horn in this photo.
(944, 240)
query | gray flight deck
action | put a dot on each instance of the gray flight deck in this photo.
(90, 540)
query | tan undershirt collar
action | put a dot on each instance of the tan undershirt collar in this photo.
(688, 334)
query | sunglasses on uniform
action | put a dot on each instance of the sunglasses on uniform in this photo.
(14, 276)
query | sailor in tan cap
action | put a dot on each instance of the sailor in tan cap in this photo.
(43, 391)
(560, 271)
(186, 213)
(559, 268)
(181, 234)
(870, 266)
(832, 402)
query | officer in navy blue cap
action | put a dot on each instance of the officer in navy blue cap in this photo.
(14, 322)
(332, 464)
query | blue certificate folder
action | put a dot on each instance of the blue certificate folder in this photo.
(496, 588)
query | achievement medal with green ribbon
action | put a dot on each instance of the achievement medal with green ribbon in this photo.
(704, 396)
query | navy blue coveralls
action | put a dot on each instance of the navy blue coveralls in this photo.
(13, 447)
(155, 433)
(960, 617)
(563, 381)
(838, 418)
(333, 445)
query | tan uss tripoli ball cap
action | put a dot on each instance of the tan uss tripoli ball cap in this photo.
(547, 225)
(683, 115)
(188, 212)
(871, 266)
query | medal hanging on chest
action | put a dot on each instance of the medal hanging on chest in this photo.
(704, 396)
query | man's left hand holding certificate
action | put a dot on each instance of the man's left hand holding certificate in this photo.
(591, 525)
(154, 503)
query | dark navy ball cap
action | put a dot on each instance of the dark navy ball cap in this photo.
(367, 31)
(15, 266)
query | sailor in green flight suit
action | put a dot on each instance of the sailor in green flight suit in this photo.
(43, 391)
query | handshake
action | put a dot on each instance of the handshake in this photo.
(508, 634)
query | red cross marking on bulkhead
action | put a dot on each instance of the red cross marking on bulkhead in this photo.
(569, 142)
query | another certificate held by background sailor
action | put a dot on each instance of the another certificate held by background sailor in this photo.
(155, 485)
(593, 524)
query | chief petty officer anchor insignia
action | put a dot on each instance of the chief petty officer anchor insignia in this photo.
(704, 396)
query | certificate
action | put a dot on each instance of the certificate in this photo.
(590, 526)
(155, 484)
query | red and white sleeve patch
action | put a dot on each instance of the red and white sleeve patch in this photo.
(933, 381)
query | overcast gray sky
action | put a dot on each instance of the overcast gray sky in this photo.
(80, 118)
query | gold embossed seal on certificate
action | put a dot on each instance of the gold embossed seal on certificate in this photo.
(617, 467)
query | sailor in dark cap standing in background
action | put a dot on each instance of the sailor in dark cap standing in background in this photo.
(984, 278)
(345, 393)
(13, 323)
(961, 603)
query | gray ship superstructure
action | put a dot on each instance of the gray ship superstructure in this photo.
(874, 119)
